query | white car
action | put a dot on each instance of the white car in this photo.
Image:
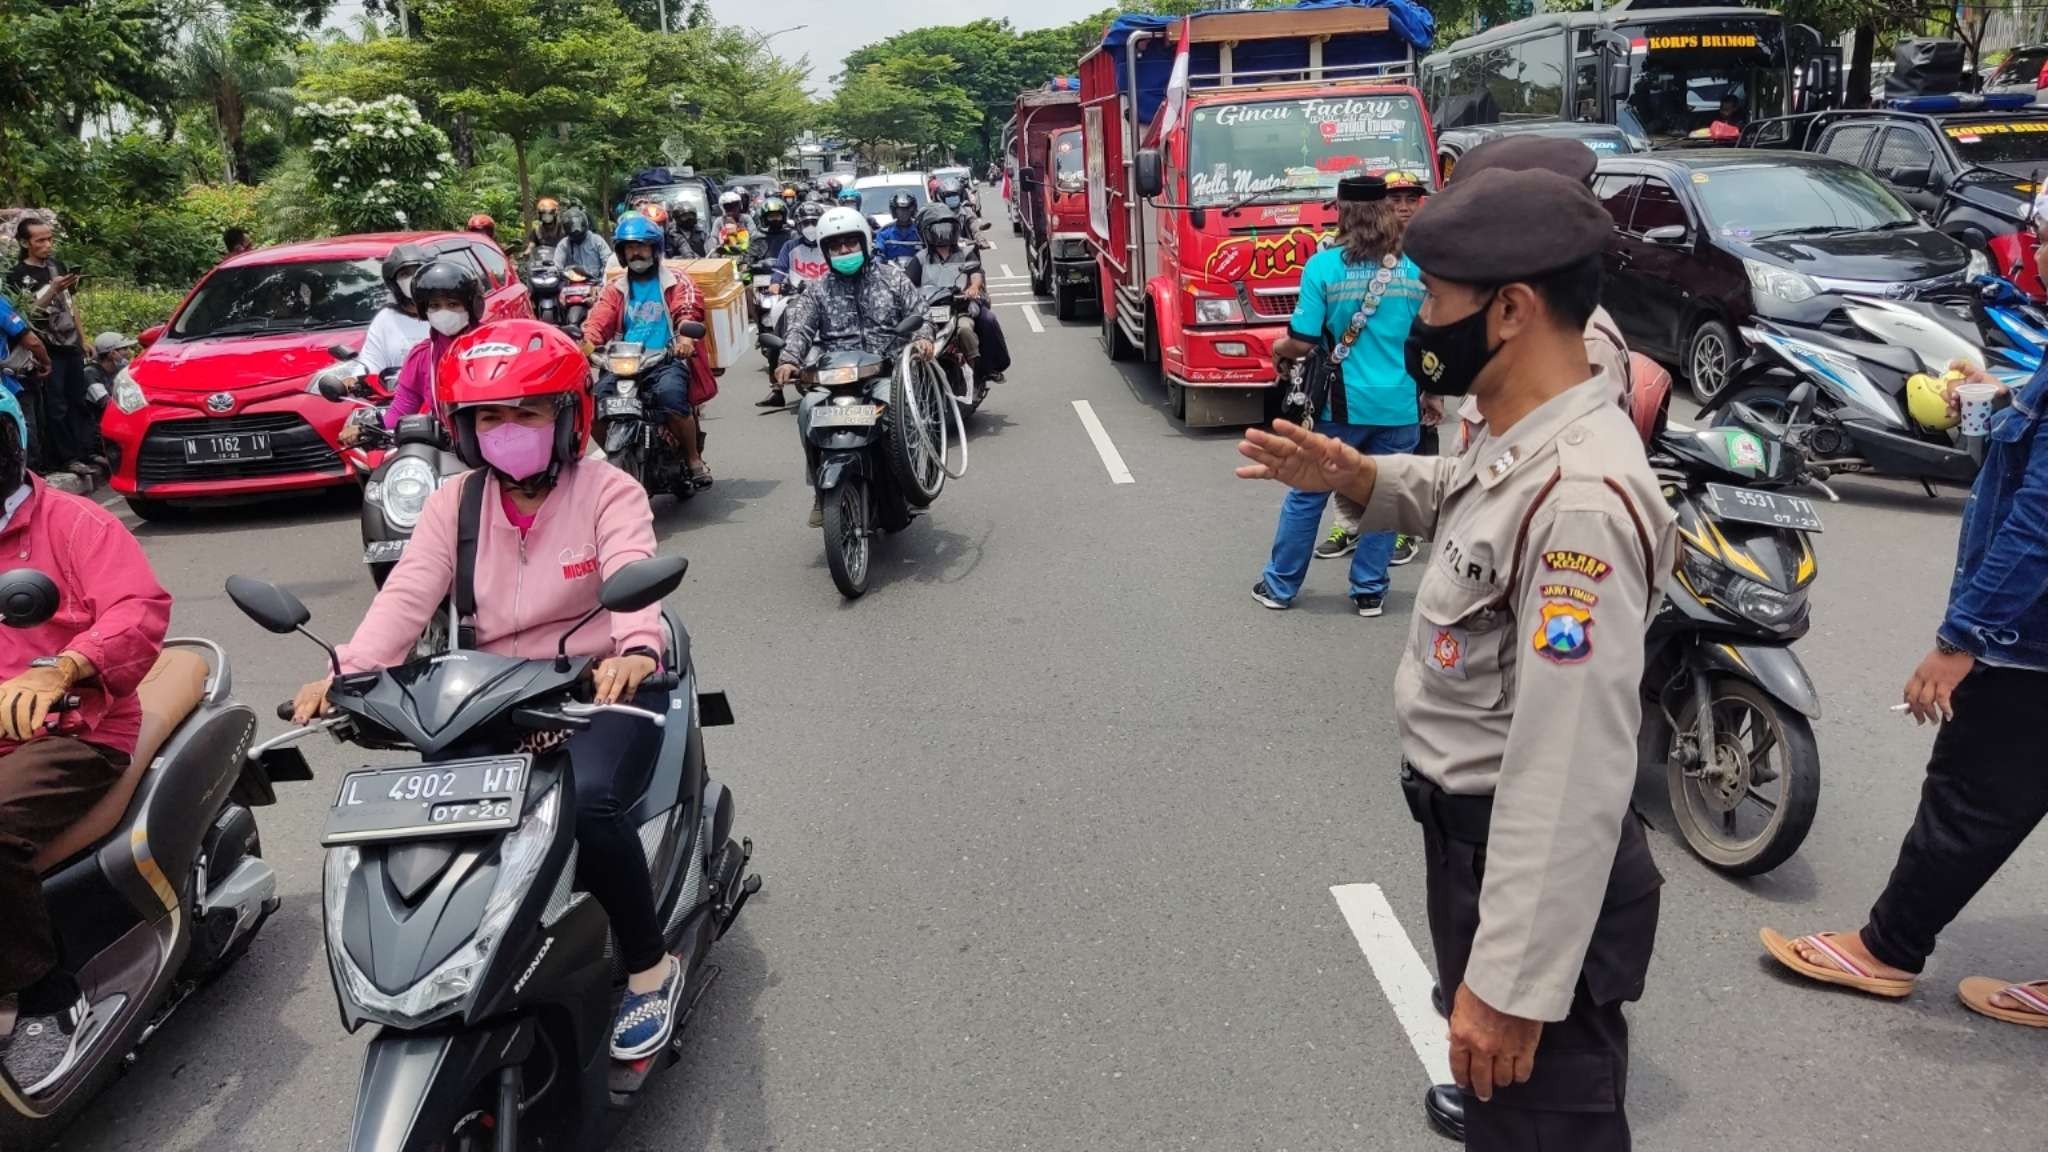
(877, 191)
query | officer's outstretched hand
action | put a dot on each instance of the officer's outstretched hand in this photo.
(1490, 1049)
(1303, 460)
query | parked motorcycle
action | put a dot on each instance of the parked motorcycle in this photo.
(162, 884)
(1856, 418)
(876, 442)
(636, 439)
(1728, 708)
(544, 284)
(452, 916)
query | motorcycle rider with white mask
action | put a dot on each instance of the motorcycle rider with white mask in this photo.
(855, 308)
(451, 297)
(398, 325)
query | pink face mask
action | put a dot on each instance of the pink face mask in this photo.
(517, 450)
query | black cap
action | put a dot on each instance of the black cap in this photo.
(1477, 230)
(1361, 189)
(1563, 155)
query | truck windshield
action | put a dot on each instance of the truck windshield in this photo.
(1283, 150)
(1687, 70)
(1066, 161)
(1765, 201)
(2016, 141)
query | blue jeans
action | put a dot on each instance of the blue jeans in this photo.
(1301, 516)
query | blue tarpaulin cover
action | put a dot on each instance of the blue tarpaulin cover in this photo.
(1412, 25)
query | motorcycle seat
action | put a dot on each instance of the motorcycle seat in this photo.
(173, 689)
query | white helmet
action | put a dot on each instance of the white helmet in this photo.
(844, 221)
(729, 199)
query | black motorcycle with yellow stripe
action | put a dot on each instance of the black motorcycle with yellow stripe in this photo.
(1728, 709)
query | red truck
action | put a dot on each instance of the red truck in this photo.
(1199, 232)
(1052, 203)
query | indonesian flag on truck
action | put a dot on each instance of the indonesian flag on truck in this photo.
(1177, 84)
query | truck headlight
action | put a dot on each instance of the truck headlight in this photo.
(1218, 310)
(128, 395)
(1783, 283)
(407, 484)
(443, 990)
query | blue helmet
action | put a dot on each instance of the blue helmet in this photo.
(849, 195)
(635, 227)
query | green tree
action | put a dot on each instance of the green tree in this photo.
(870, 109)
(63, 64)
(233, 64)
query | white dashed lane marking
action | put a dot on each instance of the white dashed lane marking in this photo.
(1111, 458)
(1401, 973)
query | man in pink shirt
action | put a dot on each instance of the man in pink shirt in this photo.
(107, 632)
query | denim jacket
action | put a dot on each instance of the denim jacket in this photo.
(1998, 602)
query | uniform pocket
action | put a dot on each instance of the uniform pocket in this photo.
(1459, 641)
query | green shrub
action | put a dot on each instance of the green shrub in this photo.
(115, 307)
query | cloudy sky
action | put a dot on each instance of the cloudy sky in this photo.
(836, 27)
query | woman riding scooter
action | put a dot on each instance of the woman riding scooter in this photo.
(516, 393)
(451, 297)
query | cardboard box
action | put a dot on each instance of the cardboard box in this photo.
(711, 275)
(725, 323)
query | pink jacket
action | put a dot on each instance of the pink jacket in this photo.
(414, 391)
(111, 610)
(528, 591)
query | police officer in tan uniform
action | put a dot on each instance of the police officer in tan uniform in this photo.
(1517, 693)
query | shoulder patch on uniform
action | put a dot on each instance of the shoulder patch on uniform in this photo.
(1447, 652)
(1564, 632)
(1563, 560)
(1568, 592)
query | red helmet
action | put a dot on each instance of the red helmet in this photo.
(482, 222)
(516, 363)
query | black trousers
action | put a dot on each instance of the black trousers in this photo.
(1986, 790)
(611, 761)
(1575, 1100)
(70, 424)
(995, 349)
(45, 786)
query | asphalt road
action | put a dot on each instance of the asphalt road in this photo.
(1050, 823)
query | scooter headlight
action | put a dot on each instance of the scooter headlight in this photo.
(1758, 603)
(442, 992)
(407, 484)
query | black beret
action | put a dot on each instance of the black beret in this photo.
(1563, 155)
(1361, 189)
(1478, 230)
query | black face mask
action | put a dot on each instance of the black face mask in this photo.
(1444, 359)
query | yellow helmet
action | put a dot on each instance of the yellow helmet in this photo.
(1927, 403)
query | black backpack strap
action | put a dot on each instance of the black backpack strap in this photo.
(468, 523)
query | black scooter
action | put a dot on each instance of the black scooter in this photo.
(875, 444)
(162, 884)
(451, 909)
(636, 439)
(1728, 709)
(544, 285)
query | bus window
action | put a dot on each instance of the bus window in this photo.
(1586, 88)
(1469, 99)
(1538, 66)
(1686, 69)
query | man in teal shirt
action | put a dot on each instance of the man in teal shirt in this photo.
(1358, 298)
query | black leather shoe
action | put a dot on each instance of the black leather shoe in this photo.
(1436, 1001)
(1446, 1108)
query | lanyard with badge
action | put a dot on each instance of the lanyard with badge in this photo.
(1311, 376)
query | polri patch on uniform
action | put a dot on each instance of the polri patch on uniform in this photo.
(1563, 635)
(1447, 650)
(1568, 592)
(1504, 463)
(1561, 560)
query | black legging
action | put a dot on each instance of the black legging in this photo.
(611, 760)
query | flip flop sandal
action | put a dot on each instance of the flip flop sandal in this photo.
(700, 478)
(1977, 991)
(1840, 970)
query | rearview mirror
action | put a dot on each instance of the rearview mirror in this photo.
(1669, 235)
(340, 351)
(150, 334)
(330, 388)
(690, 329)
(910, 324)
(28, 597)
(1919, 177)
(1150, 173)
(270, 606)
(1800, 396)
(985, 225)
(643, 583)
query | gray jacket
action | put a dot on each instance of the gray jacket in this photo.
(591, 255)
(852, 313)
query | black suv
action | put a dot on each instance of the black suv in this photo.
(1971, 170)
(1706, 239)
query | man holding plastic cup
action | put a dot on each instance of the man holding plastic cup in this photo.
(1985, 791)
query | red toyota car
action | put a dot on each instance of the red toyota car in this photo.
(220, 404)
